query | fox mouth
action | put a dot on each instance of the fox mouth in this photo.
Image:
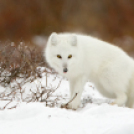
(65, 70)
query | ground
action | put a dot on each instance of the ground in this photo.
(95, 115)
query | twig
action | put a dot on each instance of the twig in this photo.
(65, 106)
(6, 104)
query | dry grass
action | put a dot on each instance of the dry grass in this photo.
(19, 64)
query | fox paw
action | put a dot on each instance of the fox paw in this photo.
(70, 106)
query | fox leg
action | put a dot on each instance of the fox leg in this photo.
(76, 92)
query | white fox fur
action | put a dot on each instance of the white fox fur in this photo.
(107, 66)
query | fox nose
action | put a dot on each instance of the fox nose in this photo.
(65, 70)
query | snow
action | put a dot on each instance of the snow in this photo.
(34, 118)
(95, 116)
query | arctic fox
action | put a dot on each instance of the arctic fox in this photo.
(80, 58)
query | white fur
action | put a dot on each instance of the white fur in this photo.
(107, 66)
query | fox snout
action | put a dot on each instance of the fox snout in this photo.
(65, 70)
(65, 67)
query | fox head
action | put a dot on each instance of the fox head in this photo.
(61, 52)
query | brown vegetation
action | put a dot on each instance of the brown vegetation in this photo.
(21, 64)
(108, 19)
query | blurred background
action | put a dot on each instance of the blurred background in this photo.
(34, 20)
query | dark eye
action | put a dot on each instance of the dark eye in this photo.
(70, 56)
(58, 56)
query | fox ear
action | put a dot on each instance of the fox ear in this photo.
(53, 39)
(73, 40)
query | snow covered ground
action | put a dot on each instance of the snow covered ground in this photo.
(95, 116)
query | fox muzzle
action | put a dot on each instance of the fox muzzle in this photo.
(65, 70)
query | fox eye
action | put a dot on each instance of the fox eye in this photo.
(58, 56)
(70, 56)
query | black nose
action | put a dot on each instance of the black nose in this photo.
(65, 70)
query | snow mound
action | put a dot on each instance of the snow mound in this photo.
(34, 118)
